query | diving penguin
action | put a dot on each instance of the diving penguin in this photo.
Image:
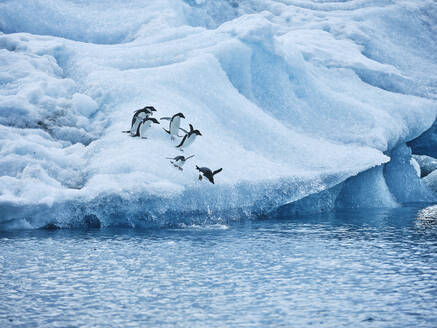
(145, 125)
(139, 115)
(179, 161)
(174, 125)
(207, 173)
(189, 138)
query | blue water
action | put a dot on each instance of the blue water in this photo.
(346, 269)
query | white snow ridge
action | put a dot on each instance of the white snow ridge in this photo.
(301, 102)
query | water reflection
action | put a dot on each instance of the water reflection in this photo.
(427, 217)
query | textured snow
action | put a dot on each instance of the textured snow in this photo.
(291, 97)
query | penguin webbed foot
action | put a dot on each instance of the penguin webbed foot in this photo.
(180, 168)
(200, 177)
(143, 137)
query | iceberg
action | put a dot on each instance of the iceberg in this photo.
(431, 181)
(426, 164)
(306, 105)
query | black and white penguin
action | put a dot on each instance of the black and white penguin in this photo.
(138, 117)
(179, 161)
(174, 125)
(189, 138)
(144, 112)
(207, 173)
(145, 125)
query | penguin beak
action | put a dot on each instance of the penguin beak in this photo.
(182, 116)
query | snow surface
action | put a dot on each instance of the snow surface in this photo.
(292, 98)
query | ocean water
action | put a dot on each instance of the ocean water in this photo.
(361, 268)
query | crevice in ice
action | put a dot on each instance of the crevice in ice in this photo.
(424, 149)
(426, 143)
(387, 81)
(387, 185)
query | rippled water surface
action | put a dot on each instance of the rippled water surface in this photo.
(352, 269)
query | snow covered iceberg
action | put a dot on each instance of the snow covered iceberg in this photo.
(303, 104)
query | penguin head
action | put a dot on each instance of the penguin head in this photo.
(150, 108)
(154, 120)
(143, 110)
(197, 132)
(180, 115)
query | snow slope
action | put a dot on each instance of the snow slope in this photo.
(292, 98)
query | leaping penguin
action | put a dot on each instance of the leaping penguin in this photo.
(207, 173)
(144, 125)
(174, 125)
(189, 138)
(179, 161)
(139, 115)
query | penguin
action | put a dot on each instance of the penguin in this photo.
(174, 125)
(136, 121)
(179, 161)
(189, 138)
(144, 112)
(144, 125)
(207, 173)
(139, 115)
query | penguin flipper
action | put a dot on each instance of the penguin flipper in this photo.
(183, 130)
(217, 171)
(186, 158)
(182, 142)
(128, 131)
(165, 118)
(168, 131)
